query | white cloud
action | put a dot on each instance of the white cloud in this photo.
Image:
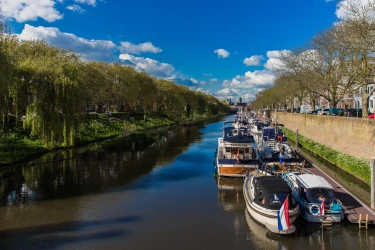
(274, 62)
(361, 7)
(89, 2)
(223, 92)
(205, 74)
(253, 60)
(75, 8)
(194, 80)
(251, 79)
(90, 49)
(234, 94)
(148, 65)
(247, 85)
(206, 91)
(129, 48)
(214, 80)
(276, 53)
(29, 10)
(222, 53)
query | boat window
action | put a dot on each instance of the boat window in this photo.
(247, 150)
(277, 198)
(318, 194)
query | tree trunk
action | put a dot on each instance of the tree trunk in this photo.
(365, 101)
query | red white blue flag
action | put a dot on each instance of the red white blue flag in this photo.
(283, 216)
(322, 208)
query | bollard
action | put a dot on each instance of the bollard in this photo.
(372, 169)
(297, 139)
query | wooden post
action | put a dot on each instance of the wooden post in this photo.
(372, 169)
(297, 139)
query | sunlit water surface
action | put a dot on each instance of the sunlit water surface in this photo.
(165, 197)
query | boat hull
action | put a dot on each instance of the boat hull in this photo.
(234, 171)
(267, 217)
(334, 218)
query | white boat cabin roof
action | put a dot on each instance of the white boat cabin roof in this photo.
(223, 143)
(313, 181)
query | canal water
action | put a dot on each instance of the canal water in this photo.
(165, 197)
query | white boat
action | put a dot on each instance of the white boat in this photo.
(236, 155)
(274, 148)
(264, 196)
(256, 128)
(310, 190)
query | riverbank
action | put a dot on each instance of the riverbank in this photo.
(116, 132)
(357, 167)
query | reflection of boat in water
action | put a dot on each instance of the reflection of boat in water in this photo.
(315, 196)
(264, 196)
(262, 238)
(308, 236)
(230, 193)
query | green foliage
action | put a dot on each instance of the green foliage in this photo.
(358, 167)
(14, 146)
(44, 91)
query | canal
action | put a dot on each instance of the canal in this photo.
(165, 197)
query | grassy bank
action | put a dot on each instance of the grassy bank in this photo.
(355, 166)
(117, 132)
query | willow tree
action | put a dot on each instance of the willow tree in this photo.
(6, 70)
(54, 83)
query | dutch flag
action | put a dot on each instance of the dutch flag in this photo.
(283, 216)
(322, 208)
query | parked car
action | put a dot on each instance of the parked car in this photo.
(351, 112)
(315, 112)
(372, 116)
(330, 111)
(323, 112)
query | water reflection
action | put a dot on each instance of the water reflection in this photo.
(230, 193)
(88, 172)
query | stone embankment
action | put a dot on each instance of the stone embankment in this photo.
(353, 136)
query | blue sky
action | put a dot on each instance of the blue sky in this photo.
(225, 48)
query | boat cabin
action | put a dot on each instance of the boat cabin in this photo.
(314, 188)
(237, 149)
(270, 192)
(273, 134)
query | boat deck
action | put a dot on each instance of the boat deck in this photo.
(351, 205)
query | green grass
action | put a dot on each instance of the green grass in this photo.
(358, 167)
(14, 147)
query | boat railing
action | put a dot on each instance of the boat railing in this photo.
(280, 169)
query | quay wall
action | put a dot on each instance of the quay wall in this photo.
(353, 136)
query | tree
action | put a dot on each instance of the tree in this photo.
(357, 37)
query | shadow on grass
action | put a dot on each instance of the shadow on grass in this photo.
(54, 235)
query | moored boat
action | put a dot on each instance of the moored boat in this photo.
(236, 155)
(265, 196)
(274, 148)
(315, 196)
